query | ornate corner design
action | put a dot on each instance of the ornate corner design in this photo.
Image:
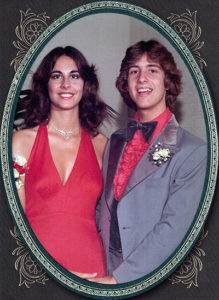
(188, 271)
(186, 25)
(28, 269)
(30, 272)
(30, 27)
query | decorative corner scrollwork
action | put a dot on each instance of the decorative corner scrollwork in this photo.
(188, 271)
(30, 27)
(30, 272)
(186, 25)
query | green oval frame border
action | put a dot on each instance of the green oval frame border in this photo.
(68, 280)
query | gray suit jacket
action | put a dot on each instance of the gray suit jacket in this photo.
(158, 204)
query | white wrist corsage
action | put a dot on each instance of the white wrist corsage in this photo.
(19, 168)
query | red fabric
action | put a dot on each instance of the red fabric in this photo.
(63, 216)
(133, 152)
(21, 169)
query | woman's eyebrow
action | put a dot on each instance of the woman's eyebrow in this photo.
(57, 71)
(134, 66)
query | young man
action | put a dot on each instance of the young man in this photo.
(154, 170)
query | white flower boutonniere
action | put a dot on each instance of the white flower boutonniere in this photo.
(161, 154)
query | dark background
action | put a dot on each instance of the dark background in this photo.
(207, 18)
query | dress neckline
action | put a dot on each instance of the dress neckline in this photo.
(63, 184)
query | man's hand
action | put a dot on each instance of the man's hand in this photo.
(104, 280)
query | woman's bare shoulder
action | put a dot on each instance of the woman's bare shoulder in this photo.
(23, 140)
(25, 135)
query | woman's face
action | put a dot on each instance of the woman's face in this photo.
(65, 84)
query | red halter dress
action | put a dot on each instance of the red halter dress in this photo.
(63, 216)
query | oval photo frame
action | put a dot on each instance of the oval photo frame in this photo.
(42, 257)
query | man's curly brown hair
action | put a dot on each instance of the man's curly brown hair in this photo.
(159, 54)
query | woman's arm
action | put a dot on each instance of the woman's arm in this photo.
(22, 142)
(99, 143)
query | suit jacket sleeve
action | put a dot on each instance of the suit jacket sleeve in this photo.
(105, 167)
(177, 216)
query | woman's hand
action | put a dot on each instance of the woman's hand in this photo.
(104, 280)
(85, 275)
(93, 277)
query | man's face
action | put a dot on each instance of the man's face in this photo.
(146, 86)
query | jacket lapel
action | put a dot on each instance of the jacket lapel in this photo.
(168, 139)
(118, 143)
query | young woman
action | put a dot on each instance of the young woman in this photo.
(58, 158)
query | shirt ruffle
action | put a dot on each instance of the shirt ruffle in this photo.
(133, 152)
(131, 155)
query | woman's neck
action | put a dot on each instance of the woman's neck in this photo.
(64, 120)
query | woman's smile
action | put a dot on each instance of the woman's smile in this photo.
(66, 96)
